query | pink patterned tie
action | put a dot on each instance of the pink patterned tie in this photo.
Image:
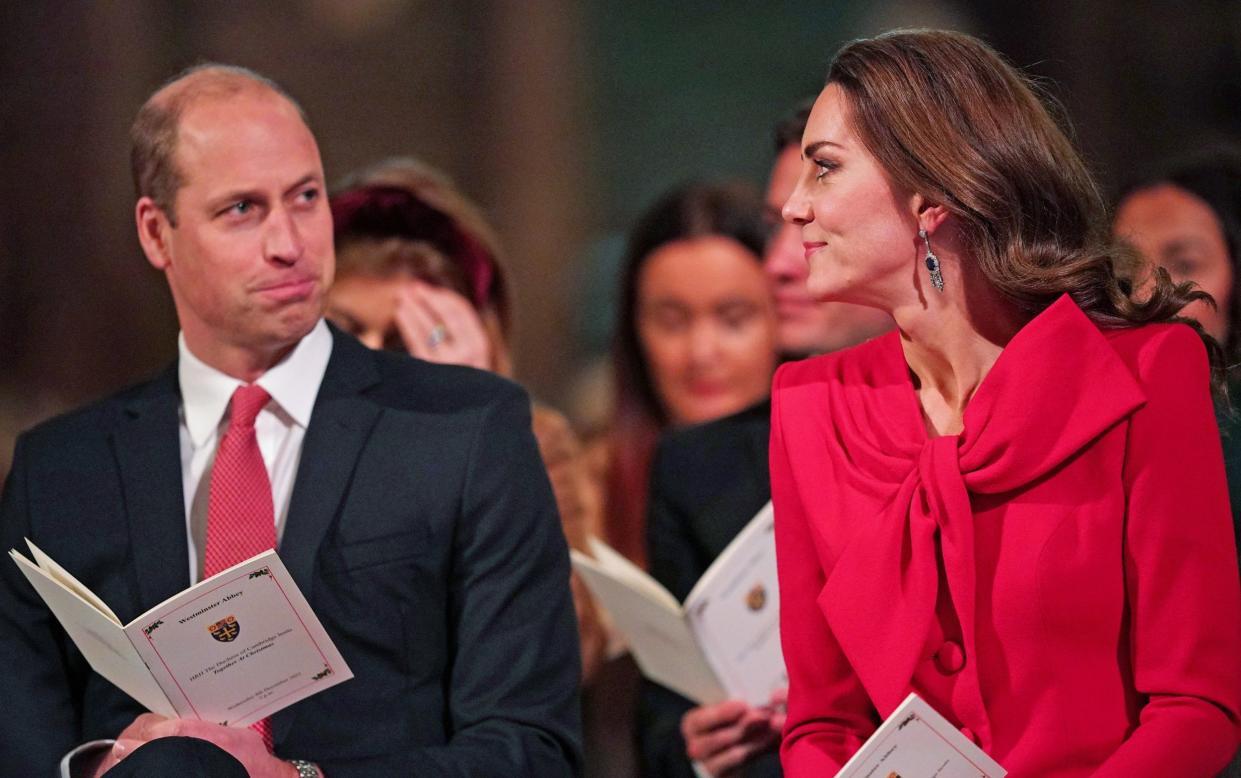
(240, 517)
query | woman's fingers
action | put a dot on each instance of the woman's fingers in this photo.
(440, 325)
(416, 326)
(724, 736)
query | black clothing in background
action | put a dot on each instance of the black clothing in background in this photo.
(707, 482)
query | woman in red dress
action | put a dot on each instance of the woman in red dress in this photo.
(1014, 504)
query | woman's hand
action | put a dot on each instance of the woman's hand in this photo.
(439, 325)
(725, 736)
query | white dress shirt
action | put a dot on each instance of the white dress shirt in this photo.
(280, 427)
(293, 384)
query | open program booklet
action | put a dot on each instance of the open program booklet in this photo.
(916, 741)
(232, 649)
(724, 642)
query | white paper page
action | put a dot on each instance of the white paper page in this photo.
(917, 741)
(99, 638)
(238, 646)
(61, 574)
(659, 636)
(757, 527)
(734, 611)
(622, 569)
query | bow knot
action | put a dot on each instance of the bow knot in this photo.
(1030, 414)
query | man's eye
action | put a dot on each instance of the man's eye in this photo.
(1181, 267)
(240, 208)
(308, 195)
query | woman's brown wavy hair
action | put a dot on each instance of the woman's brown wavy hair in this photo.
(949, 118)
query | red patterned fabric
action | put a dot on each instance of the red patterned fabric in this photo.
(240, 515)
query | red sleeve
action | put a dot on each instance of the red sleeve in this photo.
(1180, 572)
(829, 714)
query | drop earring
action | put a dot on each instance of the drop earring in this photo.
(932, 262)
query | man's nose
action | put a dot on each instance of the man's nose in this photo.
(784, 257)
(283, 241)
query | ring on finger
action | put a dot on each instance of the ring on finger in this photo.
(439, 334)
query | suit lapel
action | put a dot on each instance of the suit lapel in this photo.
(146, 443)
(339, 427)
(147, 447)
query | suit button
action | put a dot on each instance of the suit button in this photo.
(950, 657)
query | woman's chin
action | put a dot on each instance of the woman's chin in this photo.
(826, 290)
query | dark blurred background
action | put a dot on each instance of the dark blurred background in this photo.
(564, 119)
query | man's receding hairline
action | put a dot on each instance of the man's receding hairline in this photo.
(214, 82)
(157, 126)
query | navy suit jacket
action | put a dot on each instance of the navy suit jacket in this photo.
(707, 482)
(421, 528)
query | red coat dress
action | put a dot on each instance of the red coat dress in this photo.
(1059, 580)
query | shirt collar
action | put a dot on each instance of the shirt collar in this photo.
(293, 383)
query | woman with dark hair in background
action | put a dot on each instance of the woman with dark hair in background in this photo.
(694, 340)
(1013, 505)
(418, 270)
(1187, 219)
(695, 335)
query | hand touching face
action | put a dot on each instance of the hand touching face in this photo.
(407, 314)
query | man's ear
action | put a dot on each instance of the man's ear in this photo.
(929, 214)
(153, 228)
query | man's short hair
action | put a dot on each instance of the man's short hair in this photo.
(153, 136)
(788, 131)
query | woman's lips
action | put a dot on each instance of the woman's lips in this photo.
(707, 388)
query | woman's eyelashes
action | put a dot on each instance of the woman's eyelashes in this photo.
(823, 167)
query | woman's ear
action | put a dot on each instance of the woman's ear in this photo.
(928, 214)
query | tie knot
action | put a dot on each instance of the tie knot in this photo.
(248, 400)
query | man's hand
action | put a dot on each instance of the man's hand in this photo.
(725, 736)
(244, 744)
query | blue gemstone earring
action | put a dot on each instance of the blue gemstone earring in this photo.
(932, 262)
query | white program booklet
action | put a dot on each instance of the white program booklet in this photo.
(232, 649)
(917, 742)
(724, 642)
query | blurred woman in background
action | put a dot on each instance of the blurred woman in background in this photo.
(1187, 219)
(694, 339)
(418, 270)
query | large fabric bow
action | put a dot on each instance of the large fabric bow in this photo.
(1057, 386)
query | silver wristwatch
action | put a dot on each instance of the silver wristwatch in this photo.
(305, 769)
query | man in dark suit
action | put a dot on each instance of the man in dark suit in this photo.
(407, 499)
(709, 480)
